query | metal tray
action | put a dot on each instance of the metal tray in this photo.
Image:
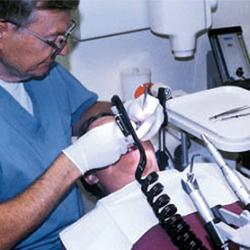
(191, 113)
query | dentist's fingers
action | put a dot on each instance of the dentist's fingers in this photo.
(137, 112)
(151, 125)
(148, 117)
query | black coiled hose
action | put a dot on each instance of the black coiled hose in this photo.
(173, 223)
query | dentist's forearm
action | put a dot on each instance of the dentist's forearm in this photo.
(24, 213)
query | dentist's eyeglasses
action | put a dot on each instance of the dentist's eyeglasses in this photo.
(59, 42)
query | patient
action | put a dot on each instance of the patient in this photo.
(118, 175)
(124, 220)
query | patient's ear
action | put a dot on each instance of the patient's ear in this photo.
(91, 179)
(3, 29)
(3, 26)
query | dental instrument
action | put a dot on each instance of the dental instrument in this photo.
(191, 187)
(235, 116)
(230, 175)
(145, 91)
(229, 112)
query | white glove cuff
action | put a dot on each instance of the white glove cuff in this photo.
(74, 156)
(98, 148)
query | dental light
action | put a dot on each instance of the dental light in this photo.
(182, 21)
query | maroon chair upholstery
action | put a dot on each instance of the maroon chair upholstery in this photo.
(157, 239)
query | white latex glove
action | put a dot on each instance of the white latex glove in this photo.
(239, 236)
(99, 147)
(148, 118)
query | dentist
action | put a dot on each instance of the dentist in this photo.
(41, 106)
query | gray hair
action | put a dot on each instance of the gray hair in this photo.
(20, 12)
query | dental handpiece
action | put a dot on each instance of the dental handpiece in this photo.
(191, 187)
(230, 175)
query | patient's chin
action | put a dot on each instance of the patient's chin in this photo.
(147, 171)
(151, 166)
(132, 155)
(129, 162)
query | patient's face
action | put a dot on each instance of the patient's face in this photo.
(122, 172)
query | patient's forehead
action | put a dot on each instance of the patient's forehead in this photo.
(101, 121)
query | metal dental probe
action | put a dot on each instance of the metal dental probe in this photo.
(235, 116)
(230, 112)
(145, 90)
(230, 175)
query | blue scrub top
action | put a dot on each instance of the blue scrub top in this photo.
(29, 144)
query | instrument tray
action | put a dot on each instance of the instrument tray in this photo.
(191, 113)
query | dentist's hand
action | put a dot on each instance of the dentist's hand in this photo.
(239, 236)
(147, 117)
(99, 147)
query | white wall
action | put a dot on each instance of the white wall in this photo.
(97, 63)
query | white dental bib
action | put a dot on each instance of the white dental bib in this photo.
(120, 219)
